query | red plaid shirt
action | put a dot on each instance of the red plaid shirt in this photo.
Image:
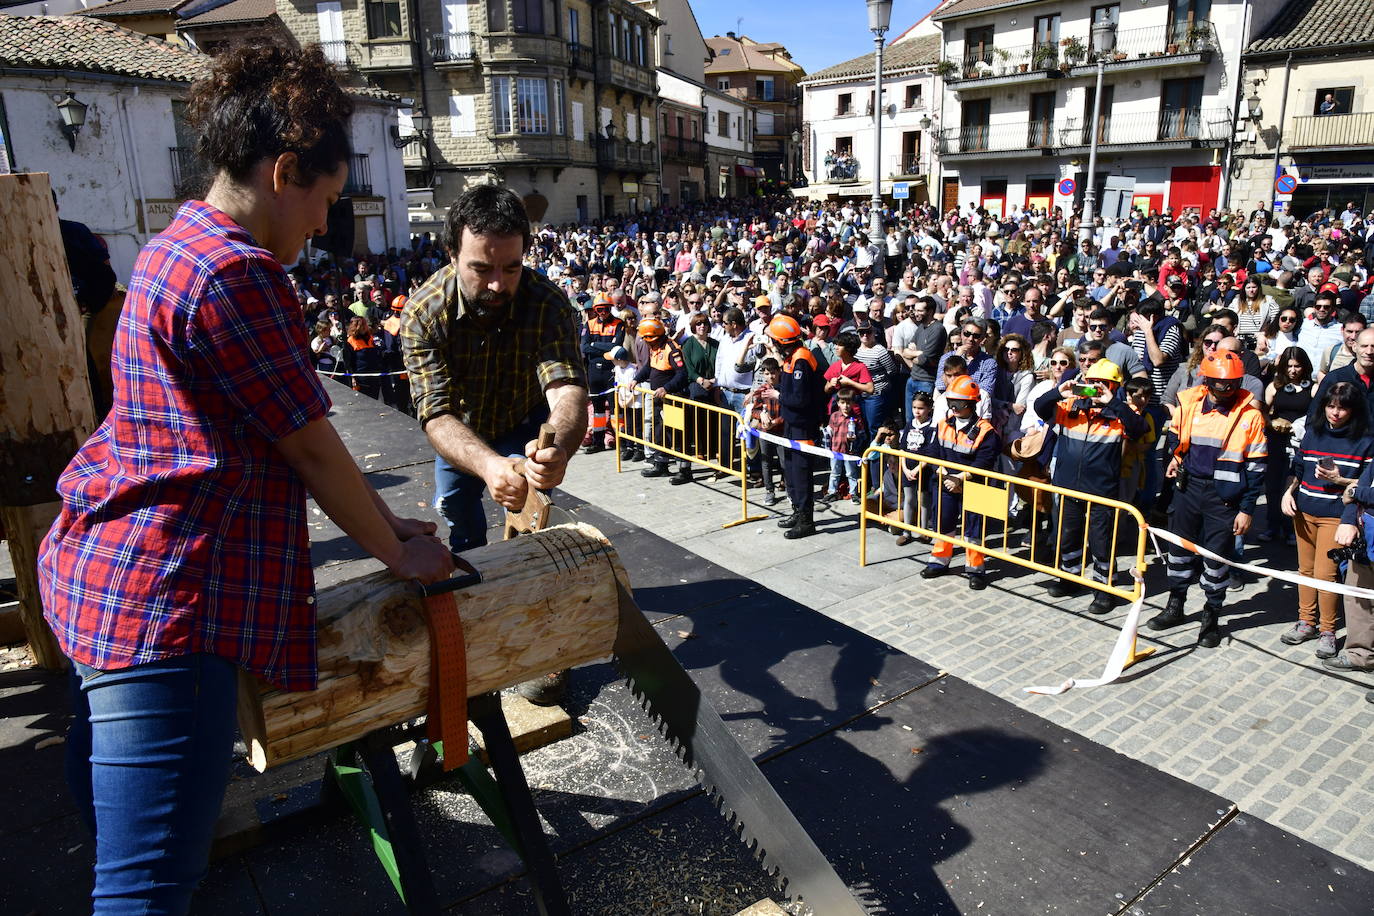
(182, 529)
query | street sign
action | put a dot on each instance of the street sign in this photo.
(901, 190)
(1286, 184)
(1067, 186)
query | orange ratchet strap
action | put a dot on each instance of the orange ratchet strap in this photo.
(447, 713)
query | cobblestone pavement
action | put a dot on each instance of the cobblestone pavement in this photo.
(1255, 721)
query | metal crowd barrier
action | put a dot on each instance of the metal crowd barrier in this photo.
(688, 430)
(988, 494)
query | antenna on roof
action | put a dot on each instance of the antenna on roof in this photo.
(738, 23)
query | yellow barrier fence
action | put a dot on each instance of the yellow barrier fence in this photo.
(688, 430)
(987, 495)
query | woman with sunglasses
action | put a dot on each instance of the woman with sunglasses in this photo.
(1280, 333)
(1335, 448)
(1289, 397)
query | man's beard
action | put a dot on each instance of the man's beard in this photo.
(486, 304)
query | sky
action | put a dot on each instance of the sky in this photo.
(813, 31)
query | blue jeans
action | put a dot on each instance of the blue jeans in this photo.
(839, 470)
(458, 495)
(914, 385)
(148, 758)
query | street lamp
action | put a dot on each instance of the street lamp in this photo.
(1085, 230)
(73, 114)
(796, 156)
(879, 18)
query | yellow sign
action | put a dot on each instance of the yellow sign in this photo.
(987, 501)
(674, 417)
(630, 187)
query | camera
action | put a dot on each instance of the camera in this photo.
(1249, 340)
(1086, 391)
(1357, 552)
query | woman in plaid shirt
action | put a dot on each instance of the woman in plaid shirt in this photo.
(181, 554)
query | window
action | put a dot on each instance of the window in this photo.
(973, 124)
(574, 27)
(844, 146)
(723, 52)
(496, 15)
(1342, 100)
(763, 88)
(978, 45)
(723, 84)
(1104, 119)
(383, 19)
(558, 125)
(739, 128)
(639, 45)
(844, 104)
(913, 97)
(528, 16)
(1104, 20)
(911, 153)
(500, 104)
(626, 48)
(1041, 120)
(532, 105)
(1180, 117)
(1047, 32)
(1184, 15)
(722, 124)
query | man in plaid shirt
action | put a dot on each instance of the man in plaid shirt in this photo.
(493, 350)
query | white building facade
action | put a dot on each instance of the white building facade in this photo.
(838, 117)
(729, 131)
(1020, 85)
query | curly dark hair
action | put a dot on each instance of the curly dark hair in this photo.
(262, 100)
(486, 209)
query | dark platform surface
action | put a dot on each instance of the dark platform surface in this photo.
(927, 794)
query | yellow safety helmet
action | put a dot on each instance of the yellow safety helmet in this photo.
(1104, 370)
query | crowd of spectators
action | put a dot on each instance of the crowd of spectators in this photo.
(1021, 304)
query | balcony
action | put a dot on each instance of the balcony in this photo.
(580, 60)
(1122, 49)
(1181, 128)
(681, 149)
(359, 183)
(625, 155)
(841, 168)
(997, 141)
(452, 49)
(909, 166)
(532, 149)
(526, 47)
(386, 54)
(413, 154)
(190, 177)
(1337, 131)
(620, 74)
(340, 53)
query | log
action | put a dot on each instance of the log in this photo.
(547, 601)
(46, 410)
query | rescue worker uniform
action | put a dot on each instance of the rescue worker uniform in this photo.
(801, 400)
(664, 369)
(1221, 450)
(1090, 443)
(600, 335)
(973, 443)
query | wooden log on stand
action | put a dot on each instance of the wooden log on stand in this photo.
(547, 601)
(46, 410)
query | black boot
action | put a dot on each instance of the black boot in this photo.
(1172, 615)
(637, 454)
(683, 475)
(655, 470)
(597, 445)
(1209, 637)
(790, 520)
(804, 527)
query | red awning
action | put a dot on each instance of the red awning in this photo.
(748, 171)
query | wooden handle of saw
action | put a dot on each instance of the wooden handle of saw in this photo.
(546, 435)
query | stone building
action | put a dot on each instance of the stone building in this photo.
(1307, 109)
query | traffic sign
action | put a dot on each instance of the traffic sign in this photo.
(1286, 184)
(901, 190)
(1067, 186)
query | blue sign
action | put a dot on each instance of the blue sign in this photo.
(901, 190)
(1286, 184)
(1067, 186)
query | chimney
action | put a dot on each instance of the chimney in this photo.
(729, 34)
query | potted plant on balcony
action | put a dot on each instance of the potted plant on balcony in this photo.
(1074, 50)
(946, 68)
(1045, 57)
(1199, 37)
(1003, 55)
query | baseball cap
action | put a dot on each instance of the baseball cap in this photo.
(822, 321)
(763, 302)
(1175, 280)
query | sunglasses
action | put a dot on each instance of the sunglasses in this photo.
(1287, 318)
(1011, 349)
(1099, 327)
(974, 334)
(1059, 362)
(1209, 342)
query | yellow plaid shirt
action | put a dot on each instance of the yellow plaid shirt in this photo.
(490, 375)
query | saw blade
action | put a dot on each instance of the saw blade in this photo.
(745, 797)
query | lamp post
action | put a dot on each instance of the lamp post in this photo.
(879, 18)
(73, 114)
(1085, 231)
(796, 156)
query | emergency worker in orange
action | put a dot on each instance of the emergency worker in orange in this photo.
(801, 399)
(1092, 424)
(665, 371)
(1218, 451)
(602, 333)
(962, 437)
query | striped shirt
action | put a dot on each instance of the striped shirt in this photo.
(488, 371)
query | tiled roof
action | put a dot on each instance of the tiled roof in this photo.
(923, 49)
(134, 8)
(233, 11)
(965, 7)
(744, 55)
(95, 46)
(1312, 24)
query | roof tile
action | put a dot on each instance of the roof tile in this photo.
(1313, 24)
(914, 52)
(83, 43)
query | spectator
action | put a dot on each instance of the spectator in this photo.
(1288, 397)
(846, 432)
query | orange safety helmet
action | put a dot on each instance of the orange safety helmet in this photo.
(399, 303)
(963, 387)
(651, 329)
(784, 329)
(1224, 365)
(601, 299)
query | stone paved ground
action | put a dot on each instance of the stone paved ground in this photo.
(1254, 721)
